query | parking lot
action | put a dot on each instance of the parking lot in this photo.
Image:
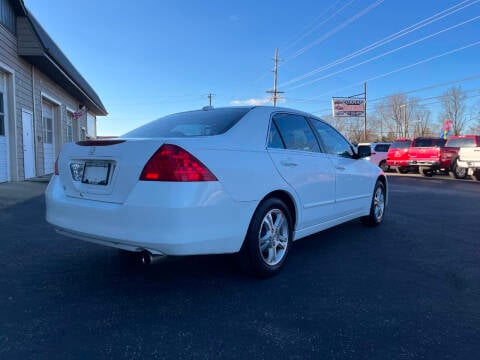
(408, 289)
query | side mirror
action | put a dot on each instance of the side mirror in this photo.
(364, 151)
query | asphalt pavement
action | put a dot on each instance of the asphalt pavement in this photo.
(409, 289)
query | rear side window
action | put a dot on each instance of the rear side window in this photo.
(191, 124)
(401, 145)
(381, 147)
(461, 142)
(274, 139)
(295, 132)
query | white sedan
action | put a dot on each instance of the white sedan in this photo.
(247, 180)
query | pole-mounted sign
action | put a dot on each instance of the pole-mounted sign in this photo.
(348, 107)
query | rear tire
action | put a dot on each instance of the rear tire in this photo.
(378, 206)
(425, 171)
(476, 175)
(458, 172)
(268, 239)
(384, 166)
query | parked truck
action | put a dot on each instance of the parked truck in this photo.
(426, 155)
(431, 155)
(397, 157)
(452, 149)
(469, 159)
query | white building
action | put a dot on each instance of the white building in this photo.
(44, 101)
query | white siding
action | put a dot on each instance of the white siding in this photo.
(3, 129)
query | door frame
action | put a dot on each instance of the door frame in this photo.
(10, 127)
(33, 167)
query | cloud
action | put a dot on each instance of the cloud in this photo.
(251, 102)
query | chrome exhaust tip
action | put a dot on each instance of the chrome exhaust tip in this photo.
(147, 258)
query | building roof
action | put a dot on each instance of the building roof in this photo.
(48, 57)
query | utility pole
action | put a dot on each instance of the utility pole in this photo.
(365, 111)
(210, 96)
(275, 91)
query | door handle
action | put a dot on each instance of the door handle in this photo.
(339, 168)
(288, 163)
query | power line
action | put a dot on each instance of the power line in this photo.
(436, 17)
(335, 30)
(289, 44)
(415, 101)
(434, 86)
(311, 30)
(400, 69)
(386, 53)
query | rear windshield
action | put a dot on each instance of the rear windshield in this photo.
(401, 144)
(461, 142)
(190, 124)
(428, 143)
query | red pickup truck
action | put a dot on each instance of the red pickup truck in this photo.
(426, 154)
(397, 157)
(432, 154)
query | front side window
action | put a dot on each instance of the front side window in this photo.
(295, 132)
(333, 141)
(2, 116)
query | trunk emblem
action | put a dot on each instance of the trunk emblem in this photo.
(91, 151)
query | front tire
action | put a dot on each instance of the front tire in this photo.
(268, 239)
(402, 170)
(378, 206)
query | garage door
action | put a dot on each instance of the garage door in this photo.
(48, 140)
(3, 129)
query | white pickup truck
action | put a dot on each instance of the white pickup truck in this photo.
(469, 158)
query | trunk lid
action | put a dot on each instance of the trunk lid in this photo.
(104, 170)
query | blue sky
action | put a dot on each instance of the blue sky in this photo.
(150, 58)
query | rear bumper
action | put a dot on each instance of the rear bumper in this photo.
(397, 163)
(201, 218)
(469, 164)
(421, 162)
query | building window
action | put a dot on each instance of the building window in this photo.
(47, 122)
(2, 116)
(7, 15)
(91, 130)
(69, 127)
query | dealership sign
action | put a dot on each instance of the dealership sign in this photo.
(347, 107)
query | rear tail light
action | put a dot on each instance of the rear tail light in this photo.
(172, 163)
